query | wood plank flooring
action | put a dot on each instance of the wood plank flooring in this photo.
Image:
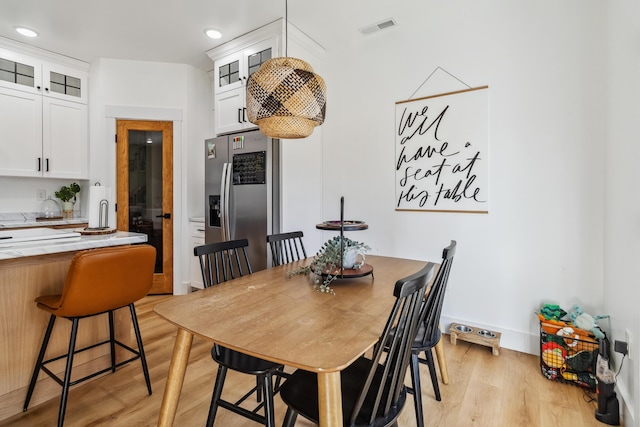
(484, 390)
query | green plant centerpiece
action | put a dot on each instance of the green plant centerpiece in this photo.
(327, 263)
(67, 194)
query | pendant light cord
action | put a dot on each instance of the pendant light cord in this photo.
(286, 28)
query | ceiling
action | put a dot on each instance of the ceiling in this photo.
(173, 30)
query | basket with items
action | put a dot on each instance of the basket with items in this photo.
(569, 344)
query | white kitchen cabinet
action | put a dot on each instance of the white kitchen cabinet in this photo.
(230, 79)
(197, 239)
(236, 60)
(43, 118)
(20, 133)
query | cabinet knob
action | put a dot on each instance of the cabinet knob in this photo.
(38, 87)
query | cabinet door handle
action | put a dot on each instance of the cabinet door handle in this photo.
(244, 114)
(239, 115)
(39, 164)
(165, 216)
(47, 161)
(200, 229)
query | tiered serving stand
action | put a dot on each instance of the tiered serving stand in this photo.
(342, 226)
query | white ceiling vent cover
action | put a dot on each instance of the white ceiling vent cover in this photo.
(369, 29)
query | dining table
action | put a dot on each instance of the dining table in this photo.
(279, 316)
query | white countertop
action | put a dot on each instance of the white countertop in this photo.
(28, 219)
(46, 247)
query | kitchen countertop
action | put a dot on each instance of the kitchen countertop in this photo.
(28, 219)
(45, 247)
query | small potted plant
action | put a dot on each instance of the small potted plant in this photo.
(68, 196)
(327, 261)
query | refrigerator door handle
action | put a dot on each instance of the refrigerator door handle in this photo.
(227, 189)
(223, 203)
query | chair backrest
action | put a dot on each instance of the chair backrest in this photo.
(432, 306)
(223, 261)
(286, 247)
(384, 386)
(104, 279)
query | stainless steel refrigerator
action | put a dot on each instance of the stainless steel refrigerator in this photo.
(242, 182)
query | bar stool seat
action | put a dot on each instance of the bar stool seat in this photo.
(98, 281)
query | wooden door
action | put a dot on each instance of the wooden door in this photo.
(145, 190)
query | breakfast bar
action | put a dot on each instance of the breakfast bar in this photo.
(33, 264)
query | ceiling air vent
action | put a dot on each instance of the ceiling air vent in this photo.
(369, 29)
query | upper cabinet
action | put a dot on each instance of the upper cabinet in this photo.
(43, 116)
(235, 61)
(230, 76)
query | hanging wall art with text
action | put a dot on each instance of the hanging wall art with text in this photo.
(442, 152)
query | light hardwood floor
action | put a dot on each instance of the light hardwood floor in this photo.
(484, 390)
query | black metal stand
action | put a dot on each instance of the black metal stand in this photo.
(343, 226)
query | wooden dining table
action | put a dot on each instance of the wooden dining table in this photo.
(285, 320)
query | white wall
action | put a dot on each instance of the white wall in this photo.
(542, 240)
(622, 206)
(563, 222)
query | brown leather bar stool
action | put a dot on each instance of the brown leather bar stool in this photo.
(98, 281)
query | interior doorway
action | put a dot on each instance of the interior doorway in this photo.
(144, 182)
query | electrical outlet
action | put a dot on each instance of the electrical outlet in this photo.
(41, 195)
(621, 347)
(629, 339)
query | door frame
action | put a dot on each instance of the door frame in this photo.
(162, 282)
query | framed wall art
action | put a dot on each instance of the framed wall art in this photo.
(442, 152)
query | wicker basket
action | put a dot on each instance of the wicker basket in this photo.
(286, 99)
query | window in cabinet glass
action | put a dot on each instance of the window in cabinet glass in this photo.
(257, 59)
(64, 84)
(16, 72)
(229, 73)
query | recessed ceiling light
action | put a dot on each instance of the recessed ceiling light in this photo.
(26, 32)
(213, 34)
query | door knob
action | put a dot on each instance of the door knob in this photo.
(165, 216)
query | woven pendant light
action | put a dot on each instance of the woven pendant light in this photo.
(285, 98)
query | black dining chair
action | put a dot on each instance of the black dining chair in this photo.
(286, 247)
(429, 333)
(220, 262)
(373, 390)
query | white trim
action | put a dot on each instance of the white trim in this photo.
(42, 54)
(129, 112)
(523, 342)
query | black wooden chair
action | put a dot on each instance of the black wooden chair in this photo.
(220, 262)
(98, 281)
(373, 390)
(223, 261)
(429, 332)
(286, 247)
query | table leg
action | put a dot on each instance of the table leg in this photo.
(329, 399)
(177, 369)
